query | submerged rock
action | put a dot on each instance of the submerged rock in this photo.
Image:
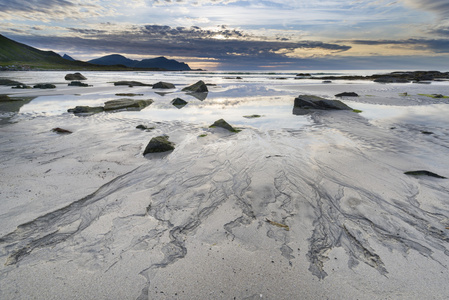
(223, 124)
(22, 86)
(144, 127)
(347, 94)
(61, 130)
(44, 86)
(315, 102)
(9, 82)
(131, 83)
(126, 104)
(178, 102)
(86, 109)
(75, 76)
(77, 83)
(163, 85)
(424, 173)
(199, 87)
(159, 144)
(4, 98)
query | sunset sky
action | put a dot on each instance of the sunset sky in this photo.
(233, 34)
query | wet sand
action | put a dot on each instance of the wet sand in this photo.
(317, 211)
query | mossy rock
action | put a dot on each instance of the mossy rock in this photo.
(129, 104)
(178, 102)
(435, 96)
(163, 85)
(223, 124)
(86, 109)
(357, 111)
(159, 144)
(198, 87)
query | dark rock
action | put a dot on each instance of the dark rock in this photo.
(77, 83)
(163, 85)
(44, 86)
(424, 173)
(4, 98)
(390, 79)
(22, 86)
(128, 94)
(9, 82)
(252, 116)
(426, 132)
(86, 110)
(437, 96)
(74, 76)
(61, 131)
(347, 94)
(314, 102)
(223, 124)
(199, 87)
(326, 81)
(303, 74)
(159, 144)
(178, 102)
(131, 83)
(144, 127)
(129, 104)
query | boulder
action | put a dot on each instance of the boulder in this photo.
(314, 102)
(424, 173)
(9, 82)
(347, 94)
(44, 86)
(74, 76)
(129, 104)
(223, 124)
(77, 83)
(86, 110)
(163, 85)
(199, 87)
(159, 144)
(178, 102)
(131, 83)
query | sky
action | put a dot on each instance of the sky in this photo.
(240, 35)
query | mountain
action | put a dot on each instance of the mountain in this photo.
(14, 53)
(65, 56)
(158, 62)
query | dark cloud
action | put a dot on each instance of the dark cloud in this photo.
(87, 31)
(439, 7)
(436, 45)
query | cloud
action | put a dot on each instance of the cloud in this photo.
(49, 9)
(436, 45)
(439, 7)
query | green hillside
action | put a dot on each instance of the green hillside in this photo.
(17, 54)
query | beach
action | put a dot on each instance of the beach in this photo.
(309, 205)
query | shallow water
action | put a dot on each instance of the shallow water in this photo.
(88, 212)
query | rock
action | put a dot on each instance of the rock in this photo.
(326, 81)
(4, 98)
(424, 173)
(223, 124)
(159, 144)
(128, 94)
(390, 79)
(199, 87)
(77, 83)
(44, 86)
(125, 103)
(75, 76)
(163, 85)
(178, 102)
(304, 74)
(131, 83)
(144, 127)
(314, 102)
(9, 82)
(252, 116)
(22, 86)
(437, 96)
(347, 94)
(86, 110)
(61, 131)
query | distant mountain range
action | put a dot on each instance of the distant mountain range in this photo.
(158, 62)
(17, 54)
